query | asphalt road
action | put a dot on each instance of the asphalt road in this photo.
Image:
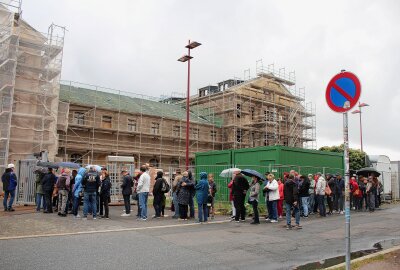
(208, 246)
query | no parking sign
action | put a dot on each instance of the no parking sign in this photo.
(343, 92)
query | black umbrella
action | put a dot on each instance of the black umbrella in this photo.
(368, 171)
(52, 165)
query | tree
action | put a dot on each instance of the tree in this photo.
(357, 158)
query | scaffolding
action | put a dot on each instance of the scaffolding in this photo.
(95, 122)
(35, 61)
(267, 109)
(9, 40)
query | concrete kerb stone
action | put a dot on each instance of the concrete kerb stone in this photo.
(373, 255)
(111, 231)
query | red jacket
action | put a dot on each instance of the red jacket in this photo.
(280, 188)
(355, 188)
(230, 190)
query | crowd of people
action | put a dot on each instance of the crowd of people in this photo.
(301, 195)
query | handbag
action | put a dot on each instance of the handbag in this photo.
(328, 190)
(135, 196)
(356, 193)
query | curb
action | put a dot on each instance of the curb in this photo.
(382, 252)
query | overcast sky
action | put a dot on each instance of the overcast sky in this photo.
(133, 45)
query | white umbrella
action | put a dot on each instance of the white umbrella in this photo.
(228, 172)
(96, 167)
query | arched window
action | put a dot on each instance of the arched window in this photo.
(175, 163)
(77, 158)
(153, 162)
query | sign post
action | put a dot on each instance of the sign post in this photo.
(342, 94)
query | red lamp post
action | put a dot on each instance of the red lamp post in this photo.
(186, 58)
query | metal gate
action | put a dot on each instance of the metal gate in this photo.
(26, 188)
(114, 169)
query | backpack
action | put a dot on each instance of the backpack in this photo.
(165, 187)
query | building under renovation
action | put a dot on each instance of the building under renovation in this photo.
(30, 68)
(86, 123)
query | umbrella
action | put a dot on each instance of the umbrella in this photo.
(368, 171)
(48, 164)
(228, 172)
(96, 167)
(71, 165)
(249, 172)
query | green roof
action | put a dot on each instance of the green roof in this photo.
(124, 103)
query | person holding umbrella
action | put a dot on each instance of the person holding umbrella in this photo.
(239, 190)
(253, 199)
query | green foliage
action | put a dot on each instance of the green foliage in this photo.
(357, 158)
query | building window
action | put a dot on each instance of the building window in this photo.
(238, 110)
(79, 118)
(131, 125)
(175, 163)
(213, 135)
(176, 130)
(153, 162)
(194, 133)
(106, 121)
(252, 139)
(239, 135)
(155, 128)
(252, 111)
(77, 158)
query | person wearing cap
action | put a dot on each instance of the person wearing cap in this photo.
(9, 180)
(320, 192)
(127, 184)
(202, 191)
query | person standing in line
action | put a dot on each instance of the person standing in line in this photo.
(253, 199)
(158, 194)
(230, 185)
(63, 186)
(178, 178)
(77, 191)
(363, 188)
(202, 191)
(291, 196)
(357, 195)
(105, 194)
(304, 194)
(320, 192)
(9, 180)
(48, 182)
(311, 192)
(127, 184)
(70, 200)
(330, 181)
(183, 196)
(91, 182)
(143, 189)
(239, 190)
(192, 193)
(339, 194)
(272, 200)
(211, 196)
(281, 198)
(136, 194)
(40, 195)
(372, 188)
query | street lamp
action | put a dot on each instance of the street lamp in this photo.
(360, 105)
(186, 58)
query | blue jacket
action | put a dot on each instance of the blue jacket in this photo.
(9, 180)
(202, 191)
(78, 182)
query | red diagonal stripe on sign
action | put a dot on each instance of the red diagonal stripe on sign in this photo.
(342, 92)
